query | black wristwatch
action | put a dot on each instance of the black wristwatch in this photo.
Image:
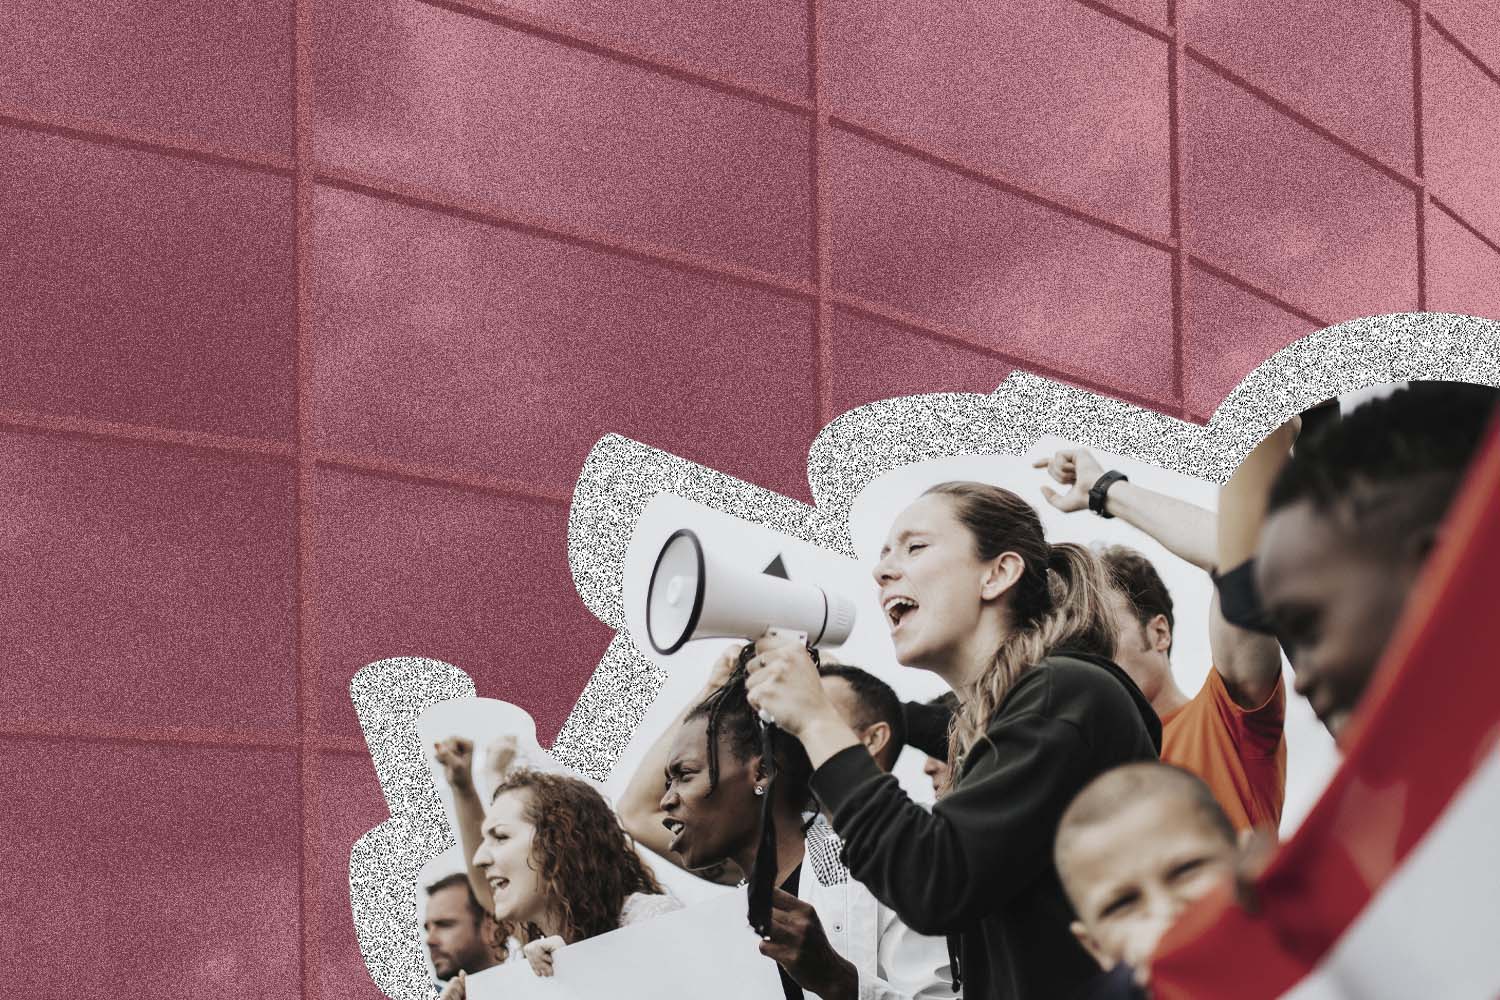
(1100, 491)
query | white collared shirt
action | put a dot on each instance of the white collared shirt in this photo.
(894, 962)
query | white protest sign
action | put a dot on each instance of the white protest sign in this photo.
(703, 950)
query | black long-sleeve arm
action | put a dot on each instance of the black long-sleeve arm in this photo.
(927, 727)
(988, 838)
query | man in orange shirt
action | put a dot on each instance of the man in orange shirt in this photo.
(1231, 732)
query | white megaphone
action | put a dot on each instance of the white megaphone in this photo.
(693, 596)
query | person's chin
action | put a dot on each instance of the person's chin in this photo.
(1336, 722)
(695, 860)
(910, 652)
(905, 646)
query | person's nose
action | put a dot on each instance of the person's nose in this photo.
(1171, 905)
(670, 800)
(1307, 681)
(886, 570)
(1161, 914)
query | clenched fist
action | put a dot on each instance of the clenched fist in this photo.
(456, 754)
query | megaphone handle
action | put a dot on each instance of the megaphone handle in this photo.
(782, 637)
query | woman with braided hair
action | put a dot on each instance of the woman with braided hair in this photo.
(559, 868)
(828, 935)
(1020, 630)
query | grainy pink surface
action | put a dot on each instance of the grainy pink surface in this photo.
(312, 309)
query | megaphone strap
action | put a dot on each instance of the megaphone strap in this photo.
(763, 873)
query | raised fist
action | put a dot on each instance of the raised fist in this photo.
(456, 754)
(501, 755)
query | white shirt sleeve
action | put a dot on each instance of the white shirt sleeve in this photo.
(911, 966)
(643, 906)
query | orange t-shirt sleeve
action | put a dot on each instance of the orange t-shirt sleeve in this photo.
(1239, 752)
(1259, 730)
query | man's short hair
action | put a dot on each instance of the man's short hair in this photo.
(1118, 787)
(458, 878)
(1393, 463)
(1142, 586)
(877, 701)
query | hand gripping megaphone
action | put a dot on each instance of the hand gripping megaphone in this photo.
(694, 596)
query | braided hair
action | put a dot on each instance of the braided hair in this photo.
(730, 714)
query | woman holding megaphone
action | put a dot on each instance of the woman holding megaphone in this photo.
(973, 592)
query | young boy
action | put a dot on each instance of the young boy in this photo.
(1135, 847)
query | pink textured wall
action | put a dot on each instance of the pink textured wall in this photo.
(312, 308)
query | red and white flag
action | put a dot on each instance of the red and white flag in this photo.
(1391, 887)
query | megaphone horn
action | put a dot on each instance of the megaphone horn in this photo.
(694, 596)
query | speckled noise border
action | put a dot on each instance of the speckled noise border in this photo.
(621, 476)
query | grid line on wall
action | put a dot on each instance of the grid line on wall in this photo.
(992, 179)
(573, 37)
(446, 204)
(1292, 114)
(961, 337)
(1473, 57)
(821, 226)
(1424, 192)
(1467, 226)
(1270, 298)
(380, 468)
(90, 731)
(100, 133)
(165, 437)
(310, 874)
(1114, 14)
(1176, 53)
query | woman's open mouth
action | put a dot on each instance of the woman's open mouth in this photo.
(898, 608)
(676, 828)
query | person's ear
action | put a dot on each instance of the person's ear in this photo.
(876, 737)
(1001, 573)
(1159, 630)
(1090, 945)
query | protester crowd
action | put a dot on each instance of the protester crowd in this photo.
(1084, 798)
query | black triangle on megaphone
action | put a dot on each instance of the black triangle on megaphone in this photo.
(777, 568)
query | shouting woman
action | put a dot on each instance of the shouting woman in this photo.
(1018, 628)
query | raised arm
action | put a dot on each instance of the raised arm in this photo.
(1249, 661)
(456, 754)
(639, 807)
(1184, 529)
(1242, 500)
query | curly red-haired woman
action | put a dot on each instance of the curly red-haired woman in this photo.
(560, 868)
